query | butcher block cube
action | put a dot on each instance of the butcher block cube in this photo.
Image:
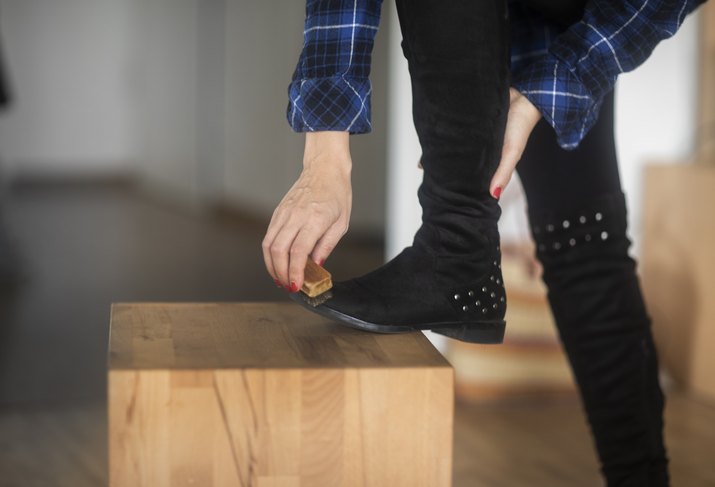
(269, 394)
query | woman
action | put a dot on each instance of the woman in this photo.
(565, 56)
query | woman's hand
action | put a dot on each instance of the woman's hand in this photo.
(521, 120)
(314, 214)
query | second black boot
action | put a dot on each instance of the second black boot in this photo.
(449, 280)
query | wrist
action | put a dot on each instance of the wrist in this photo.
(327, 148)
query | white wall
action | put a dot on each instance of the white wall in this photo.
(165, 74)
(67, 62)
(656, 114)
(262, 155)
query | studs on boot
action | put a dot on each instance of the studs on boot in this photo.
(457, 297)
(493, 294)
(465, 308)
(601, 221)
(471, 293)
(484, 289)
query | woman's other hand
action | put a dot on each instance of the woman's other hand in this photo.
(314, 215)
(521, 120)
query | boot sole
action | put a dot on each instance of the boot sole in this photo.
(484, 332)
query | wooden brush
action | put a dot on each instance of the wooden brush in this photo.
(317, 284)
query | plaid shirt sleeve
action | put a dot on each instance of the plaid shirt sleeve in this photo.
(330, 88)
(566, 74)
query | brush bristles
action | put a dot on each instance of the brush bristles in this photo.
(319, 299)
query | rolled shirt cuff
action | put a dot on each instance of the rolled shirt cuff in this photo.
(338, 103)
(563, 100)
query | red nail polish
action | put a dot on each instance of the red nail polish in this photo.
(278, 283)
(293, 287)
(322, 262)
(497, 192)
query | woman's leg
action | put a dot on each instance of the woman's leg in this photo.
(449, 280)
(578, 219)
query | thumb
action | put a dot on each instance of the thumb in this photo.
(521, 120)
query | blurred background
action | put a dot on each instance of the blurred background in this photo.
(143, 147)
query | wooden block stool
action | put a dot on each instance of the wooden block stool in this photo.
(268, 394)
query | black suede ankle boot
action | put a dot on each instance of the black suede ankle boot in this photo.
(597, 304)
(449, 280)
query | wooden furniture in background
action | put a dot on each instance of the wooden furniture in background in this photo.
(678, 271)
(268, 394)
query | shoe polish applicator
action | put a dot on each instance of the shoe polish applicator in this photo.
(316, 284)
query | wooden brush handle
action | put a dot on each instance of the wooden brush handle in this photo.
(317, 280)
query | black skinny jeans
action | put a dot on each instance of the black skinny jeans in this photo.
(593, 288)
(595, 294)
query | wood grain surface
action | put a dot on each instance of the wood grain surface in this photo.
(247, 335)
(266, 394)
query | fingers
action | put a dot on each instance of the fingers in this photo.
(509, 159)
(302, 246)
(273, 228)
(287, 245)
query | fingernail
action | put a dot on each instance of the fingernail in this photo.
(322, 262)
(278, 283)
(293, 287)
(497, 192)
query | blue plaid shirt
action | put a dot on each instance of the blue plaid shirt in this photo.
(564, 72)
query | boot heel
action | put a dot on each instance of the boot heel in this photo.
(486, 333)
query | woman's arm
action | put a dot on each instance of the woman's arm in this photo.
(329, 98)
(565, 79)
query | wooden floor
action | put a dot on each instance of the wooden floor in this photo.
(85, 247)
